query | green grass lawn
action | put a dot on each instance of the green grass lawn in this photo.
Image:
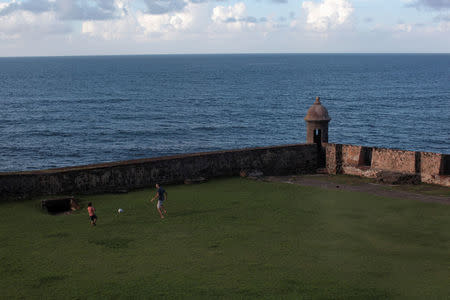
(229, 238)
(422, 188)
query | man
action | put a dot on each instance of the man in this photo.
(161, 194)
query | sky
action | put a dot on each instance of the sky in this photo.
(119, 27)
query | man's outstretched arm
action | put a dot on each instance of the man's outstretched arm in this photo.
(153, 199)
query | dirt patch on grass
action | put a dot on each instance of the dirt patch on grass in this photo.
(365, 185)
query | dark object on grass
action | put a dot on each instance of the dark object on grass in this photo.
(59, 205)
(195, 180)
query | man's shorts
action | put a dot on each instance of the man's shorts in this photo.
(160, 203)
(93, 217)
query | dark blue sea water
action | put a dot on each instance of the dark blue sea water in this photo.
(63, 111)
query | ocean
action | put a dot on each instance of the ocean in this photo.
(66, 111)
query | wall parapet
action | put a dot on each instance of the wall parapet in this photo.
(278, 160)
(135, 174)
(370, 161)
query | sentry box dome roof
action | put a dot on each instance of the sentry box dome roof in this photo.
(317, 112)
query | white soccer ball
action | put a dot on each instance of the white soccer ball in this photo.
(120, 210)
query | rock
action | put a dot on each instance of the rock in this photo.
(74, 205)
(255, 174)
(390, 177)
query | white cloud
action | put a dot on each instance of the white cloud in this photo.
(403, 27)
(328, 14)
(21, 24)
(230, 18)
(420, 31)
(444, 26)
(234, 18)
(64, 9)
(140, 26)
(60, 27)
(439, 28)
(223, 14)
(111, 29)
(3, 5)
(165, 22)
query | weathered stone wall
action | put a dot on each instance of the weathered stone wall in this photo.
(333, 162)
(433, 169)
(351, 155)
(128, 175)
(430, 163)
(348, 159)
(394, 160)
(351, 161)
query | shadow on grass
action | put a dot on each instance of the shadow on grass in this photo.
(58, 235)
(192, 212)
(48, 280)
(11, 266)
(112, 243)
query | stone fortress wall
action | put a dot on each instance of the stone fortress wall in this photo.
(371, 162)
(135, 174)
(316, 155)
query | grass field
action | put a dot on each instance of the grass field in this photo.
(422, 188)
(229, 238)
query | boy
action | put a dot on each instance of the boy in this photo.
(161, 194)
(92, 216)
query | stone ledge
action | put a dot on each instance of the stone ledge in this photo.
(391, 177)
(383, 176)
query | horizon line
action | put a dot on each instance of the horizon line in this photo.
(233, 53)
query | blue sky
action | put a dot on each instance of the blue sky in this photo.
(96, 27)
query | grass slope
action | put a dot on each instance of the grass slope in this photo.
(230, 238)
